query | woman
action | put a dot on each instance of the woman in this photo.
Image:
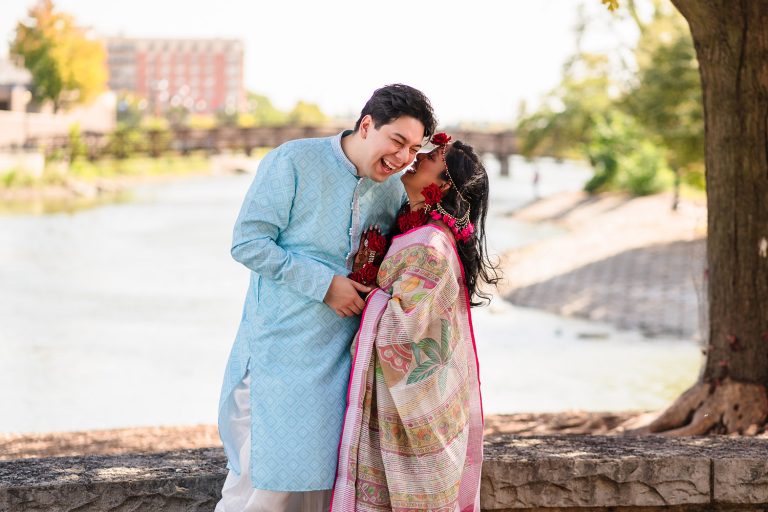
(412, 437)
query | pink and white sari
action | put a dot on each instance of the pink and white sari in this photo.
(413, 431)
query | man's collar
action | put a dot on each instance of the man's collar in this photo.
(339, 152)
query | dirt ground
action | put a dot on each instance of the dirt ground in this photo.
(160, 439)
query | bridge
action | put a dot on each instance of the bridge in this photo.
(501, 145)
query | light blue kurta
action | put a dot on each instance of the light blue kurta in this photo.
(299, 225)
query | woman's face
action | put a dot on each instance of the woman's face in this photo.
(427, 169)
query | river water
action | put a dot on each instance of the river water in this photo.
(123, 315)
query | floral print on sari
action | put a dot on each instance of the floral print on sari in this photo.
(412, 437)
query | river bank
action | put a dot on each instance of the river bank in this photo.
(629, 262)
(65, 188)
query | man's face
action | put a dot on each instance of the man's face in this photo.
(391, 147)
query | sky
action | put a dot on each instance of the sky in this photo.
(475, 60)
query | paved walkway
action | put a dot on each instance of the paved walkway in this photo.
(632, 263)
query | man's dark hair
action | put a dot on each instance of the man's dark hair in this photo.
(393, 101)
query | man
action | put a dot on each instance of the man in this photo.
(284, 392)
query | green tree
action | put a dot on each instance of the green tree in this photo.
(666, 95)
(66, 63)
(306, 114)
(263, 113)
(130, 110)
(615, 123)
(77, 147)
(563, 125)
(625, 157)
(126, 141)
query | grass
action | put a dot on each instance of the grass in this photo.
(59, 187)
(58, 173)
(139, 166)
(17, 178)
(47, 205)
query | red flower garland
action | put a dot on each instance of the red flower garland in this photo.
(376, 242)
(369, 273)
(366, 275)
(408, 220)
(462, 235)
(373, 245)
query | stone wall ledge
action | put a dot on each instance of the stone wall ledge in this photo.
(546, 473)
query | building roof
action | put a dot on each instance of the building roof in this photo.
(180, 44)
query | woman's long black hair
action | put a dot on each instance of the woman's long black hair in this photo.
(468, 176)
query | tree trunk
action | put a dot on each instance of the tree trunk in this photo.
(731, 40)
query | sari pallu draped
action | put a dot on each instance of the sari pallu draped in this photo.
(412, 436)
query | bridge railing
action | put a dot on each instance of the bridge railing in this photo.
(232, 138)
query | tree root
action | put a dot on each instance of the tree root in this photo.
(727, 407)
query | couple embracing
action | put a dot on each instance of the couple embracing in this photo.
(353, 381)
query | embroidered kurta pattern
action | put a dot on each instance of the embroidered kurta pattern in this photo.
(299, 225)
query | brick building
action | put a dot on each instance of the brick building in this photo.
(201, 75)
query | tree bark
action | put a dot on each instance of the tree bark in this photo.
(731, 40)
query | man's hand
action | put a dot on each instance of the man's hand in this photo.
(342, 296)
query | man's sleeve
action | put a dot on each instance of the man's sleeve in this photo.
(264, 215)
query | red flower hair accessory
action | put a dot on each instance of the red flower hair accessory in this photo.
(440, 139)
(432, 194)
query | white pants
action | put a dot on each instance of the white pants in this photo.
(238, 495)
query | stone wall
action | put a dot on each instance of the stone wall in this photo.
(544, 473)
(188, 480)
(618, 473)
